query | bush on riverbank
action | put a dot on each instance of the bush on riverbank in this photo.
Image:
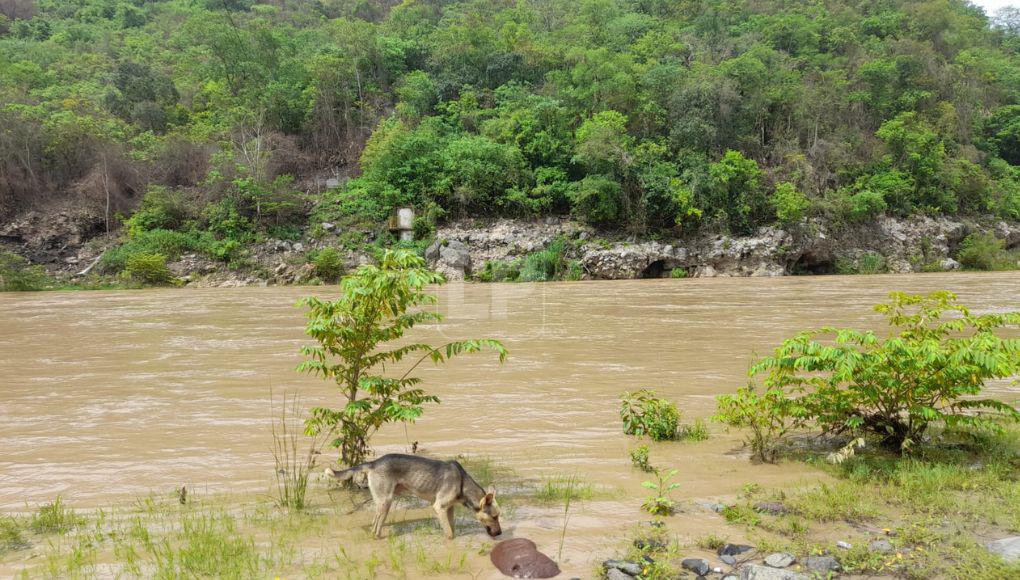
(927, 373)
(18, 275)
(986, 252)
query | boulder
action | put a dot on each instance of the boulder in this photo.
(629, 568)
(733, 549)
(881, 546)
(949, 264)
(822, 564)
(780, 560)
(759, 572)
(452, 259)
(696, 565)
(1007, 548)
(520, 558)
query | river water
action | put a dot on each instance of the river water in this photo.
(106, 396)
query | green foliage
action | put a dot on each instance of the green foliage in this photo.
(645, 414)
(635, 116)
(639, 458)
(328, 262)
(677, 273)
(768, 414)
(148, 268)
(55, 518)
(791, 204)
(377, 306)
(161, 209)
(660, 503)
(930, 371)
(12, 535)
(17, 274)
(696, 431)
(984, 251)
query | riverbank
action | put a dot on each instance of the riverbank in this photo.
(948, 512)
(64, 255)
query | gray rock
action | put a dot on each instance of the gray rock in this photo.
(823, 564)
(771, 507)
(696, 565)
(728, 559)
(629, 568)
(328, 226)
(780, 560)
(949, 264)
(299, 247)
(711, 505)
(733, 549)
(759, 572)
(881, 546)
(614, 574)
(1007, 548)
(844, 545)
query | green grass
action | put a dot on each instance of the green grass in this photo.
(12, 535)
(563, 488)
(55, 518)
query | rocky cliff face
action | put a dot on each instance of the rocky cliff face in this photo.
(894, 245)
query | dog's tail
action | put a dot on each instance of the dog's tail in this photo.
(347, 474)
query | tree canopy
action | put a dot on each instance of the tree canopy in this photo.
(632, 114)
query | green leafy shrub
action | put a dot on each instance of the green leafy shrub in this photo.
(768, 414)
(545, 265)
(929, 371)
(639, 458)
(791, 204)
(17, 274)
(161, 209)
(645, 414)
(660, 503)
(169, 243)
(500, 271)
(678, 273)
(148, 268)
(328, 263)
(983, 251)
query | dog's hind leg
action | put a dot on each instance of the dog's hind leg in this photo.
(382, 510)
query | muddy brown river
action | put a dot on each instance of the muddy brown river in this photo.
(105, 396)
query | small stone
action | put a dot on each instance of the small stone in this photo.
(844, 545)
(727, 559)
(614, 574)
(328, 226)
(696, 565)
(881, 546)
(629, 568)
(299, 247)
(713, 506)
(770, 507)
(780, 560)
(823, 564)
(759, 572)
(733, 549)
(1007, 548)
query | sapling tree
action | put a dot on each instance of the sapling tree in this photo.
(356, 334)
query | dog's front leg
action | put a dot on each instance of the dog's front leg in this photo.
(445, 516)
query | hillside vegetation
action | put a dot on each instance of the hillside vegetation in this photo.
(640, 115)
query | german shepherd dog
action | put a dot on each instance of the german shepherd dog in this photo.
(444, 484)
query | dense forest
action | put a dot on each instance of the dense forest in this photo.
(224, 117)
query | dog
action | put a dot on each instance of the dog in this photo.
(444, 484)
